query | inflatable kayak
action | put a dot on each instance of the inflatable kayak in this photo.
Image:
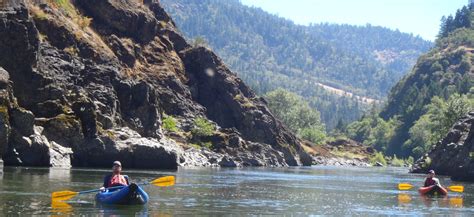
(434, 189)
(128, 195)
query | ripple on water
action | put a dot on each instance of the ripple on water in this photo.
(253, 191)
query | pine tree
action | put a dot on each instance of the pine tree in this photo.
(450, 25)
(443, 31)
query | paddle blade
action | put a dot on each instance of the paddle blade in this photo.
(63, 195)
(404, 186)
(456, 188)
(164, 181)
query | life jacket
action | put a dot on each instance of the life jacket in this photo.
(116, 180)
(431, 181)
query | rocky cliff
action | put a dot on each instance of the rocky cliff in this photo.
(83, 83)
(454, 155)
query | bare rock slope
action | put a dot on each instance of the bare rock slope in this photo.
(83, 83)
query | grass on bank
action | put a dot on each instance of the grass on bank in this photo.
(170, 124)
(70, 10)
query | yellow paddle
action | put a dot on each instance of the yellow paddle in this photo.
(454, 188)
(66, 195)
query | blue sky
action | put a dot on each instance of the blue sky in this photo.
(420, 17)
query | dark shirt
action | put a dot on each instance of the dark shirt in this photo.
(430, 182)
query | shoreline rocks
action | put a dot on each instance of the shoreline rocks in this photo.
(343, 152)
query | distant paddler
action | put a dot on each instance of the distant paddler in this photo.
(432, 185)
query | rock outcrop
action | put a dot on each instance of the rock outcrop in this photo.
(454, 154)
(88, 82)
(342, 152)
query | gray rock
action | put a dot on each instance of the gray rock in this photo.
(28, 151)
(23, 121)
(452, 156)
(227, 162)
(60, 156)
(378, 164)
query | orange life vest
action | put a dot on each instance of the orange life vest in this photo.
(116, 180)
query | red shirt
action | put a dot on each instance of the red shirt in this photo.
(115, 180)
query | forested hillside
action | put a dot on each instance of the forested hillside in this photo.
(425, 104)
(270, 52)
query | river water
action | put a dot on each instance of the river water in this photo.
(249, 191)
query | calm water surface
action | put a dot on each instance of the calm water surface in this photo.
(250, 191)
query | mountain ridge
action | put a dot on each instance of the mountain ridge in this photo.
(270, 52)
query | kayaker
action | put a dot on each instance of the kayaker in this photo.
(430, 180)
(116, 178)
(432, 185)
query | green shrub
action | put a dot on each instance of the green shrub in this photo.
(38, 13)
(378, 157)
(396, 162)
(206, 144)
(169, 124)
(316, 134)
(71, 50)
(201, 145)
(199, 41)
(203, 127)
(426, 163)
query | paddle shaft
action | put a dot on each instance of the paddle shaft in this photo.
(111, 188)
(455, 188)
(65, 195)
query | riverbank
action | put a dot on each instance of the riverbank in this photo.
(341, 152)
(349, 153)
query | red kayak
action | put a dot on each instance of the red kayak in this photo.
(434, 189)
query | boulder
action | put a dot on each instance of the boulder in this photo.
(22, 120)
(128, 146)
(28, 151)
(453, 155)
(60, 156)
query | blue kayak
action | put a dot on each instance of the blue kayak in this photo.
(127, 195)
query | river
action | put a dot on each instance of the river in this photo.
(249, 191)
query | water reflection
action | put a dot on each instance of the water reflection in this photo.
(62, 174)
(432, 201)
(456, 202)
(62, 208)
(404, 198)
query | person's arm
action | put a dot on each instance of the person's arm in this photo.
(127, 179)
(106, 183)
(436, 180)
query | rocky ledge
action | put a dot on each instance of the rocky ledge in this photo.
(83, 83)
(454, 154)
(342, 152)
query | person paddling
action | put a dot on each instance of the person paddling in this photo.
(430, 180)
(432, 185)
(116, 178)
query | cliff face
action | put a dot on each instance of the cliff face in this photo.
(88, 82)
(454, 155)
